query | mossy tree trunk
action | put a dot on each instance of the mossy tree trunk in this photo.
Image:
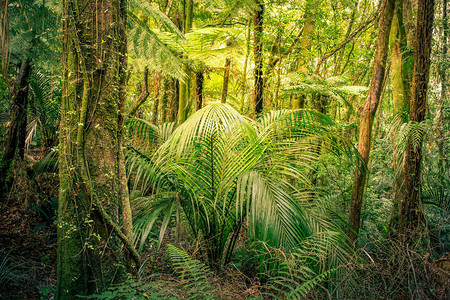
(93, 191)
(401, 65)
(184, 88)
(368, 114)
(443, 69)
(298, 101)
(157, 93)
(199, 79)
(258, 18)
(410, 212)
(226, 75)
(15, 141)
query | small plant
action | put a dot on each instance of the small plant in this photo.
(193, 273)
(131, 290)
(8, 270)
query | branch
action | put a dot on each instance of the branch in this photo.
(144, 93)
(119, 233)
(274, 61)
(357, 31)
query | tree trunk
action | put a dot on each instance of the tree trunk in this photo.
(410, 212)
(258, 56)
(244, 73)
(17, 129)
(305, 46)
(226, 74)
(174, 101)
(440, 118)
(401, 64)
(157, 94)
(185, 86)
(199, 78)
(164, 100)
(93, 191)
(144, 93)
(368, 114)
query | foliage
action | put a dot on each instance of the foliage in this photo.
(194, 274)
(8, 270)
(44, 107)
(129, 289)
(223, 170)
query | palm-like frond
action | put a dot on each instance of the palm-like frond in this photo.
(336, 88)
(145, 43)
(223, 169)
(44, 106)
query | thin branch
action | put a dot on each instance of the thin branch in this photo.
(144, 94)
(350, 37)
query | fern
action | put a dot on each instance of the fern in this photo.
(194, 274)
(129, 290)
(8, 270)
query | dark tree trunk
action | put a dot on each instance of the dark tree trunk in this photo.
(199, 78)
(15, 142)
(157, 94)
(226, 75)
(440, 116)
(368, 114)
(173, 112)
(164, 100)
(410, 212)
(258, 56)
(93, 192)
(144, 93)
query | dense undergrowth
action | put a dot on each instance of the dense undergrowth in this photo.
(177, 206)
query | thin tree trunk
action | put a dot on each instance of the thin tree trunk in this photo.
(244, 74)
(164, 100)
(15, 142)
(337, 70)
(199, 78)
(298, 101)
(258, 56)
(185, 86)
(410, 212)
(174, 102)
(157, 94)
(93, 192)
(144, 93)
(368, 114)
(440, 118)
(226, 74)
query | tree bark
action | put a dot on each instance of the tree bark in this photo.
(93, 192)
(258, 18)
(199, 78)
(440, 118)
(298, 101)
(401, 64)
(17, 128)
(410, 211)
(174, 101)
(157, 95)
(164, 100)
(368, 114)
(144, 93)
(185, 86)
(226, 75)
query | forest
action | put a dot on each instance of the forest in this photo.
(224, 149)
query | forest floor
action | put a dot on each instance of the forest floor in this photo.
(28, 243)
